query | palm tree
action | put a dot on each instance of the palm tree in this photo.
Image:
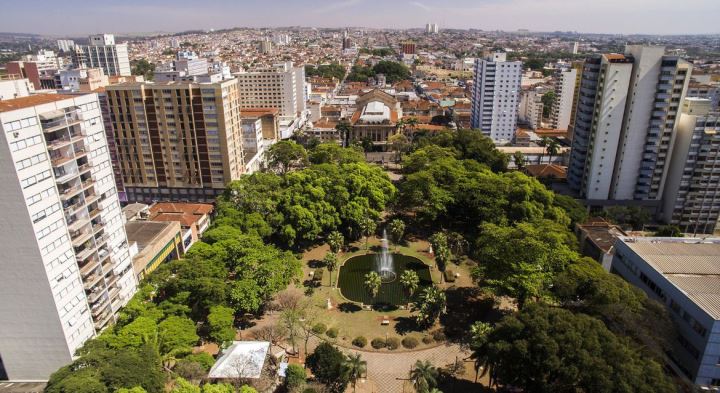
(368, 227)
(343, 128)
(412, 123)
(397, 230)
(410, 281)
(373, 283)
(553, 147)
(400, 125)
(355, 368)
(432, 303)
(543, 142)
(480, 331)
(335, 241)
(423, 376)
(331, 262)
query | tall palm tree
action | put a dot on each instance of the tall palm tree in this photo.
(344, 128)
(331, 262)
(543, 142)
(335, 241)
(410, 281)
(373, 283)
(412, 123)
(553, 147)
(423, 376)
(368, 227)
(355, 368)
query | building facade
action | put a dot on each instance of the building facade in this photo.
(177, 141)
(103, 52)
(684, 275)
(281, 86)
(564, 97)
(692, 191)
(623, 131)
(531, 108)
(495, 97)
(67, 267)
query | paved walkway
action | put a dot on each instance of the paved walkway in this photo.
(388, 370)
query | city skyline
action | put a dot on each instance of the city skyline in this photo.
(135, 16)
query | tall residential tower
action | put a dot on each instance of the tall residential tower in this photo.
(495, 97)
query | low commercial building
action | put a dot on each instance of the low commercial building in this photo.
(684, 275)
(194, 219)
(157, 242)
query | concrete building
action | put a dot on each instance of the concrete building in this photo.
(65, 45)
(495, 97)
(186, 64)
(157, 242)
(194, 218)
(408, 48)
(684, 275)
(177, 141)
(83, 79)
(14, 86)
(375, 118)
(265, 46)
(624, 124)
(691, 197)
(531, 108)
(281, 86)
(564, 98)
(66, 266)
(103, 52)
(40, 72)
(432, 28)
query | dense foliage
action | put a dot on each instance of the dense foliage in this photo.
(332, 70)
(392, 70)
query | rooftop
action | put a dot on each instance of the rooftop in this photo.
(147, 232)
(691, 264)
(30, 101)
(243, 359)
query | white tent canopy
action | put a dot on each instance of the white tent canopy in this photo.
(243, 359)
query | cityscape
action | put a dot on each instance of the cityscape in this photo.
(389, 201)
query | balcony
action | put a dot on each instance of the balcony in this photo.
(79, 237)
(102, 320)
(89, 266)
(62, 120)
(64, 176)
(84, 254)
(90, 281)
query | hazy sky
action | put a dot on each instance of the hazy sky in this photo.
(80, 17)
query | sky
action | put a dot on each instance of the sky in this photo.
(82, 17)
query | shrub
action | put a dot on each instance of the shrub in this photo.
(427, 339)
(378, 343)
(295, 377)
(392, 343)
(359, 341)
(410, 342)
(449, 275)
(319, 328)
(438, 335)
(309, 390)
(203, 358)
(332, 332)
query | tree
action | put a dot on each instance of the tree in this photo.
(553, 147)
(669, 231)
(332, 153)
(343, 128)
(136, 389)
(218, 388)
(423, 376)
(183, 386)
(327, 364)
(368, 227)
(479, 341)
(439, 242)
(634, 216)
(373, 283)
(134, 334)
(431, 303)
(399, 143)
(221, 324)
(177, 333)
(392, 70)
(331, 262)
(410, 281)
(295, 378)
(284, 155)
(544, 141)
(355, 368)
(367, 145)
(549, 349)
(397, 230)
(144, 68)
(336, 241)
(519, 160)
(548, 99)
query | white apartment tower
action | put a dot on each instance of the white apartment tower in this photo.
(103, 52)
(624, 125)
(281, 86)
(531, 108)
(495, 97)
(564, 95)
(66, 265)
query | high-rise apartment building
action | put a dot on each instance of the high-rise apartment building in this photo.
(177, 141)
(281, 86)
(564, 97)
(66, 266)
(624, 124)
(14, 86)
(692, 192)
(432, 28)
(531, 108)
(65, 45)
(495, 96)
(103, 52)
(408, 48)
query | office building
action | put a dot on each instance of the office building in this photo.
(564, 97)
(692, 193)
(281, 86)
(103, 52)
(531, 108)
(177, 141)
(65, 45)
(495, 97)
(66, 266)
(627, 110)
(684, 275)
